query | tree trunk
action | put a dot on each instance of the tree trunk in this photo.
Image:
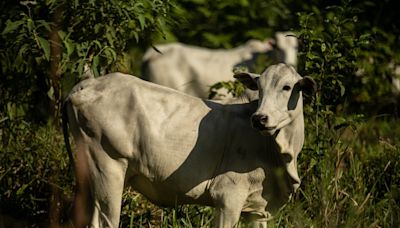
(55, 71)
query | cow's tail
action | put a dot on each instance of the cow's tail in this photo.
(82, 199)
(66, 135)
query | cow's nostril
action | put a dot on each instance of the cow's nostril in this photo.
(259, 121)
(263, 119)
(260, 118)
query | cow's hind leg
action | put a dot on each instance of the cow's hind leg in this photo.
(108, 182)
(103, 177)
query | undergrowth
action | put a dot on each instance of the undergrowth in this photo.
(353, 181)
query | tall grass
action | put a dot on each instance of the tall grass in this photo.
(355, 183)
(351, 179)
(35, 177)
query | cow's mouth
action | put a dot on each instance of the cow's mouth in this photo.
(261, 127)
(267, 130)
(270, 128)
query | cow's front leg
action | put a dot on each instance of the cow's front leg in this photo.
(259, 223)
(257, 219)
(226, 217)
(229, 208)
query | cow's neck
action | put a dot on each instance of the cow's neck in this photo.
(290, 139)
(245, 53)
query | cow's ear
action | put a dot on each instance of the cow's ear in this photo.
(308, 85)
(248, 79)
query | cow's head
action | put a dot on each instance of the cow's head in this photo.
(286, 46)
(258, 46)
(280, 96)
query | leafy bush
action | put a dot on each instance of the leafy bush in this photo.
(230, 23)
(353, 184)
(340, 187)
(44, 45)
(33, 167)
(335, 53)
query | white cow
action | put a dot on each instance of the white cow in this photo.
(287, 46)
(178, 149)
(193, 70)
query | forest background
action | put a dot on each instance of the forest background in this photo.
(350, 166)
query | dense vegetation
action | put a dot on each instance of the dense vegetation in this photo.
(350, 167)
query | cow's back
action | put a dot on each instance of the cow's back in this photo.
(192, 70)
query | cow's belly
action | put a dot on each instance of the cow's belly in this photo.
(167, 193)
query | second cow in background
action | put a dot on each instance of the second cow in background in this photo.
(193, 70)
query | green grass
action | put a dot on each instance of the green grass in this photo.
(354, 183)
(350, 179)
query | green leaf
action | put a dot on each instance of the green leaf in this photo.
(96, 42)
(21, 190)
(342, 88)
(11, 26)
(142, 21)
(313, 163)
(80, 68)
(95, 64)
(44, 44)
(244, 3)
(50, 93)
(45, 24)
(312, 56)
(308, 65)
(68, 44)
(110, 54)
(323, 47)
(62, 34)
(136, 35)
(30, 25)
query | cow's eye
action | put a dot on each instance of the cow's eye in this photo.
(286, 88)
